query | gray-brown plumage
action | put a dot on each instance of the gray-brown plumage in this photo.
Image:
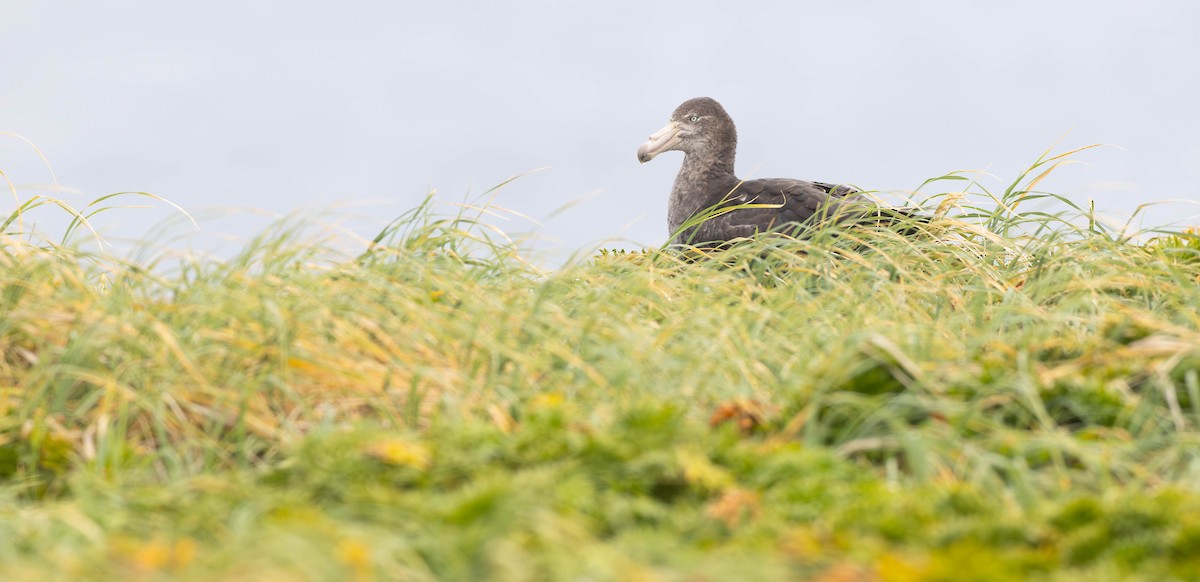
(705, 134)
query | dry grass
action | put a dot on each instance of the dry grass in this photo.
(1004, 388)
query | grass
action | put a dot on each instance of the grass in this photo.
(1014, 394)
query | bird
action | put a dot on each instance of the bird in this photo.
(708, 187)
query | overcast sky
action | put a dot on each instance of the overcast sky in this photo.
(281, 106)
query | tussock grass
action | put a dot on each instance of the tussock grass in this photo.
(1013, 392)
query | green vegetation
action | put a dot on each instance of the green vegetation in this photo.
(1013, 395)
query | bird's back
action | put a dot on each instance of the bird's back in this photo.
(774, 204)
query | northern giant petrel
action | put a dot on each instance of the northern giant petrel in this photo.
(705, 134)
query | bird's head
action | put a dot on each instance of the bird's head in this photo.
(698, 126)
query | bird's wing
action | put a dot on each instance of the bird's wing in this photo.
(774, 204)
(789, 202)
(782, 204)
(839, 190)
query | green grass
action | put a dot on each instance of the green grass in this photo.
(1013, 395)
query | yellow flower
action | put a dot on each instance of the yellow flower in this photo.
(400, 452)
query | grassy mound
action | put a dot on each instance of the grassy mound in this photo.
(1009, 395)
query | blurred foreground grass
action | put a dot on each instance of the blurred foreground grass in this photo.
(1013, 395)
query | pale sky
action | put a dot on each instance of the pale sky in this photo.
(284, 106)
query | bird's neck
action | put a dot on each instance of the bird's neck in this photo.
(711, 162)
(703, 180)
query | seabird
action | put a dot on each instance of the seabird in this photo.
(705, 134)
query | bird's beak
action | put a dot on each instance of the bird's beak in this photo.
(664, 139)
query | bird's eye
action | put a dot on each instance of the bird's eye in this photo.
(694, 118)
